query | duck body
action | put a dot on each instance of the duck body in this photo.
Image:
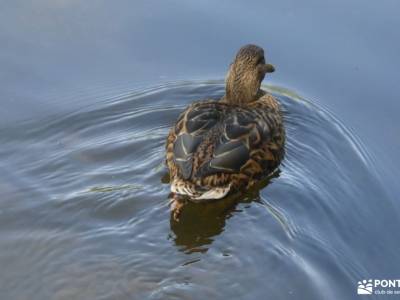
(216, 147)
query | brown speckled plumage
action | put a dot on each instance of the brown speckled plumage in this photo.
(230, 144)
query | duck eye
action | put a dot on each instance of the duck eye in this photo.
(261, 60)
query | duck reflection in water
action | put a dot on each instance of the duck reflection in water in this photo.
(196, 225)
(219, 150)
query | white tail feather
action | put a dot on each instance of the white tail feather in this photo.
(182, 188)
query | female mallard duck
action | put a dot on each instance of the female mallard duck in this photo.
(219, 146)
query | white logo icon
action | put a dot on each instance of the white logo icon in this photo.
(364, 287)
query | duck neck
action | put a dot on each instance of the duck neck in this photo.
(241, 87)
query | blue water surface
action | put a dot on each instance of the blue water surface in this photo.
(88, 92)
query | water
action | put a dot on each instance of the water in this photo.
(85, 112)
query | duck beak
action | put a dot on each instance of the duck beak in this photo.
(268, 68)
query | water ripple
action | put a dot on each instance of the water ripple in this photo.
(98, 205)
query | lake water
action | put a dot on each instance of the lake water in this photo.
(88, 93)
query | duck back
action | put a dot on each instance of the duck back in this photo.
(216, 146)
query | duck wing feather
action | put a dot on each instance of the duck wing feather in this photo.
(213, 137)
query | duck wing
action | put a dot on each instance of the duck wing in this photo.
(241, 133)
(191, 129)
(213, 137)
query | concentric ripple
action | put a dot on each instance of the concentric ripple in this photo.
(86, 208)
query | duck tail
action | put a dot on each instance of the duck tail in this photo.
(198, 194)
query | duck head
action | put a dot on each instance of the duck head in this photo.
(246, 74)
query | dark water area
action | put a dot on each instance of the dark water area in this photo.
(88, 94)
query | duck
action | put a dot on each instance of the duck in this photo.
(218, 147)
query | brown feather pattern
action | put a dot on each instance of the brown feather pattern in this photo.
(228, 144)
